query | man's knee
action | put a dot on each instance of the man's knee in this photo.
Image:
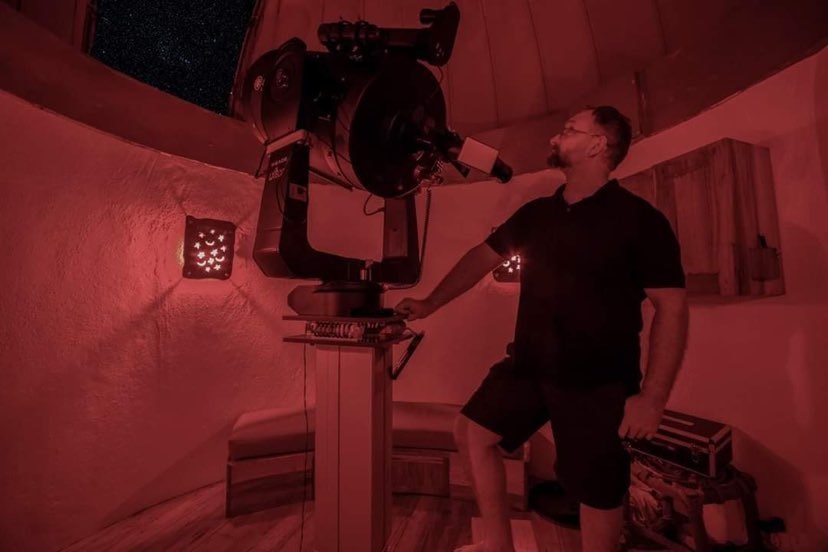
(599, 483)
(468, 434)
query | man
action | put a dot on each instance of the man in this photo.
(590, 254)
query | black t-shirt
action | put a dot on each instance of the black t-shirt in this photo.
(584, 268)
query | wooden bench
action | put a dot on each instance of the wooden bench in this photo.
(270, 458)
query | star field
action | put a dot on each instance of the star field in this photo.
(187, 48)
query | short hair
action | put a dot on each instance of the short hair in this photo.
(618, 130)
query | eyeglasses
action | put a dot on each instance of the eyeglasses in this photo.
(570, 131)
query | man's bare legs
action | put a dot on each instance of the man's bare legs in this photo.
(484, 464)
(601, 529)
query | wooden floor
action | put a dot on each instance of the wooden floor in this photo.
(196, 522)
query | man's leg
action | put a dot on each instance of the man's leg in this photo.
(592, 464)
(503, 412)
(483, 461)
(601, 529)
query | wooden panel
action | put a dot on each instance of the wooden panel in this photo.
(666, 196)
(256, 468)
(472, 95)
(721, 161)
(570, 68)
(695, 216)
(767, 218)
(719, 199)
(757, 40)
(297, 18)
(57, 17)
(695, 191)
(347, 10)
(687, 22)
(627, 35)
(266, 492)
(516, 66)
(421, 472)
(642, 184)
(383, 13)
(752, 177)
(745, 228)
(433, 527)
(620, 92)
(702, 283)
(523, 536)
(195, 522)
(39, 67)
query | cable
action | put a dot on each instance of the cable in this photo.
(374, 212)
(330, 147)
(307, 438)
(416, 337)
(336, 157)
(423, 248)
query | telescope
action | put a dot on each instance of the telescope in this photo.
(367, 115)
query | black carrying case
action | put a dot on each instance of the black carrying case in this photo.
(696, 444)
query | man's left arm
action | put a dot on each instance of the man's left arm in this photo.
(668, 337)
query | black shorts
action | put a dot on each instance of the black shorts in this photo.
(592, 464)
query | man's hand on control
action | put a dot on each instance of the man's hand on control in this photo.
(413, 309)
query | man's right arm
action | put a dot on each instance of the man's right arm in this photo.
(470, 269)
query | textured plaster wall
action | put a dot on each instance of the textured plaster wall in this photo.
(120, 379)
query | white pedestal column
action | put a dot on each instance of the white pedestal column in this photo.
(353, 448)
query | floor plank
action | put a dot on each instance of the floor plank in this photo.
(523, 536)
(196, 522)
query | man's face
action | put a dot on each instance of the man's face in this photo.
(578, 142)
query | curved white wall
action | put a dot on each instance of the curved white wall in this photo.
(120, 378)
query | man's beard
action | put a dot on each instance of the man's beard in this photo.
(556, 160)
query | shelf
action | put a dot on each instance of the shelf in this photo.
(311, 340)
(363, 319)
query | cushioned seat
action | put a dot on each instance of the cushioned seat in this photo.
(271, 431)
(282, 431)
(424, 425)
(268, 465)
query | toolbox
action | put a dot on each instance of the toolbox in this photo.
(696, 444)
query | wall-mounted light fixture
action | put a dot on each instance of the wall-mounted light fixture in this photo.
(208, 248)
(508, 270)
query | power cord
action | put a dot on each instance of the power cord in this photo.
(307, 444)
(395, 371)
(365, 207)
(423, 248)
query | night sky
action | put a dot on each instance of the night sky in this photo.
(187, 48)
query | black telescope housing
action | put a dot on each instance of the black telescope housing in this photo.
(366, 114)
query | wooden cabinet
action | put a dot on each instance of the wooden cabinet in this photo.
(721, 204)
